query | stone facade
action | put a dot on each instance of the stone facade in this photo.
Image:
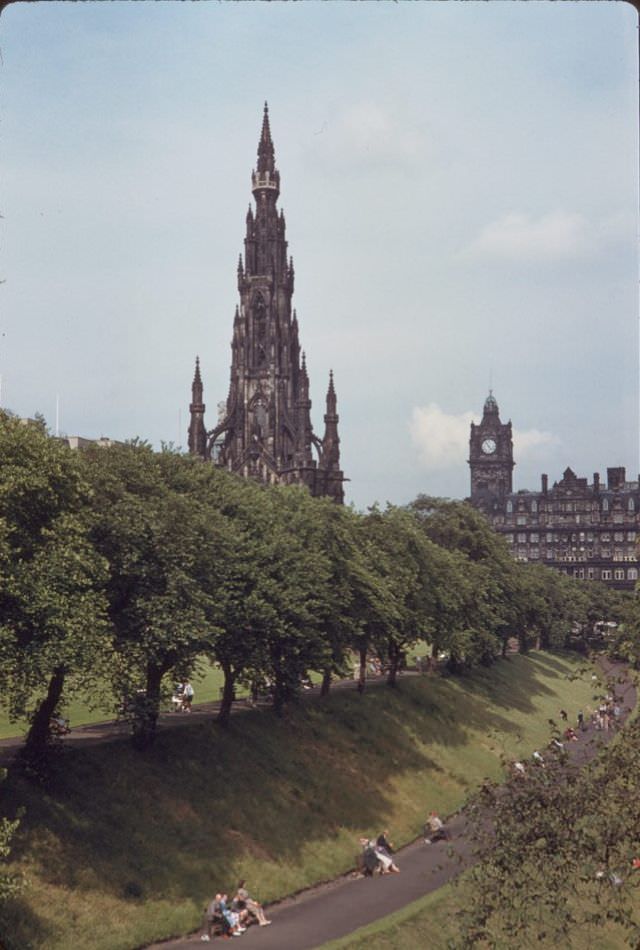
(264, 430)
(586, 530)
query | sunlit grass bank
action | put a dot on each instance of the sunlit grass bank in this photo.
(124, 848)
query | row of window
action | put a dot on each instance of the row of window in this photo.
(617, 518)
(619, 574)
(569, 506)
(578, 538)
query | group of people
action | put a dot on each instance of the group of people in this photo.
(182, 698)
(377, 855)
(232, 918)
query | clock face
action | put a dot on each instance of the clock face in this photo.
(488, 446)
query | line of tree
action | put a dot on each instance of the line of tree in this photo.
(121, 567)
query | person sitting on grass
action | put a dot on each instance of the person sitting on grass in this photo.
(243, 899)
(537, 758)
(434, 829)
(570, 735)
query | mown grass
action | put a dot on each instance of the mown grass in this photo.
(123, 848)
(207, 681)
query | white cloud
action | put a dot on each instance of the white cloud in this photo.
(559, 235)
(526, 443)
(442, 439)
(368, 134)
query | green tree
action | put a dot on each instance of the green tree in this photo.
(153, 533)
(52, 611)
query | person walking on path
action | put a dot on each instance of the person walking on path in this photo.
(188, 693)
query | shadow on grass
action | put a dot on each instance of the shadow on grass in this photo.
(20, 927)
(169, 823)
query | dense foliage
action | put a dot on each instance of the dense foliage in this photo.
(563, 851)
(125, 565)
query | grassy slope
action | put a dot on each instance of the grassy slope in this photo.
(206, 808)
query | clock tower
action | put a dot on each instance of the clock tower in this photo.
(490, 458)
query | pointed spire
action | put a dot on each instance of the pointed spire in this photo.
(197, 438)
(240, 265)
(250, 215)
(266, 160)
(331, 396)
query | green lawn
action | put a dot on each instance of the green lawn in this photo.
(206, 681)
(125, 848)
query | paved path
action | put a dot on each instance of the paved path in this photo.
(115, 730)
(339, 907)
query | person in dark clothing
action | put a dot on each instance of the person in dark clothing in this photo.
(383, 843)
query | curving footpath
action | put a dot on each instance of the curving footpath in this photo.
(334, 909)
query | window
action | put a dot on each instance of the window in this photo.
(631, 505)
(534, 505)
(521, 519)
(522, 538)
(605, 552)
(581, 573)
(590, 573)
(605, 504)
(632, 574)
(534, 538)
(631, 535)
(618, 574)
(549, 537)
(509, 507)
(605, 575)
(509, 538)
(534, 552)
(618, 536)
(605, 537)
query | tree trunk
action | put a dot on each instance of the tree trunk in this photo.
(280, 691)
(362, 676)
(326, 682)
(40, 731)
(228, 695)
(505, 643)
(146, 708)
(394, 662)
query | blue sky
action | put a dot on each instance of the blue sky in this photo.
(460, 187)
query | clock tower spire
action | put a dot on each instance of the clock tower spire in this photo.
(491, 457)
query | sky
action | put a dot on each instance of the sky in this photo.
(460, 184)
